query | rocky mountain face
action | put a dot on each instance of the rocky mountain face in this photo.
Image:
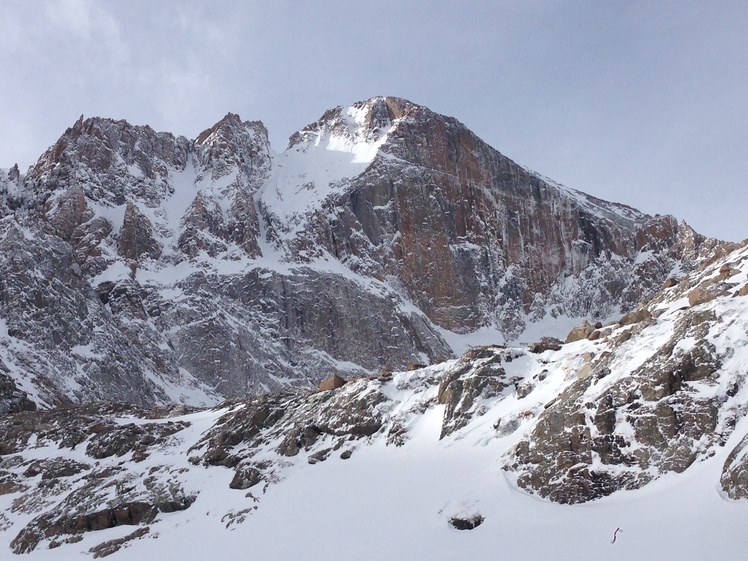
(661, 390)
(654, 394)
(472, 237)
(146, 268)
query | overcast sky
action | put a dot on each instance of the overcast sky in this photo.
(643, 103)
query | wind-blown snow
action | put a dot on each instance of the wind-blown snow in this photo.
(309, 172)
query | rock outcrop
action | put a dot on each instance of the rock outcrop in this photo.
(661, 392)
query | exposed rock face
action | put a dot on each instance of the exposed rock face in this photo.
(478, 376)
(136, 236)
(625, 420)
(12, 399)
(466, 523)
(116, 202)
(81, 511)
(332, 382)
(734, 480)
(58, 329)
(546, 344)
(149, 268)
(476, 239)
(69, 497)
(579, 333)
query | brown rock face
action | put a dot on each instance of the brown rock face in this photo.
(136, 236)
(546, 344)
(67, 211)
(476, 239)
(578, 333)
(702, 295)
(65, 497)
(45, 527)
(95, 154)
(636, 317)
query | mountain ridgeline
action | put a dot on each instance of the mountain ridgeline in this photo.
(141, 267)
(146, 277)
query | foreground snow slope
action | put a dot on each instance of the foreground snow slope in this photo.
(388, 502)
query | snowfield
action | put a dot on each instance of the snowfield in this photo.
(395, 502)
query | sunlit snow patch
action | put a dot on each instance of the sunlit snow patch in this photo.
(308, 172)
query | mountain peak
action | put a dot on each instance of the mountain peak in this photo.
(232, 143)
(363, 122)
(324, 157)
(230, 124)
(105, 145)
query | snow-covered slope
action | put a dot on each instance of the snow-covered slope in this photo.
(643, 422)
(148, 268)
(319, 163)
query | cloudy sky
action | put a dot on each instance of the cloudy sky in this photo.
(640, 102)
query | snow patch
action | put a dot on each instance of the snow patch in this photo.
(307, 173)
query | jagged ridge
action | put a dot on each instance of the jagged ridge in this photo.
(176, 270)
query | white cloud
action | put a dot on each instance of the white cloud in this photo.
(72, 16)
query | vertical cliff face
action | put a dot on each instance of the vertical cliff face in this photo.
(141, 253)
(235, 157)
(473, 238)
(148, 267)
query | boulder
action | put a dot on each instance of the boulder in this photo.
(638, 316)
(595, 335)
(702, 295)
(546, 344)
(332, 382)
(579, 333)
(466, 522)
(725, 272)
(246, 477)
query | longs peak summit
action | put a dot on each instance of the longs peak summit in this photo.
(143, 267)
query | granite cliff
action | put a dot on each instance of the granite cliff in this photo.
(148, 268)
